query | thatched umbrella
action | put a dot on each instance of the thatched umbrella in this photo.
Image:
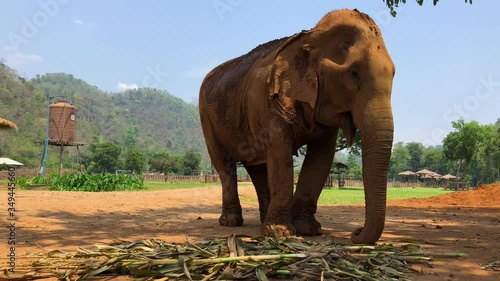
(407, 173)
(424, 172)
(431, 176)
(6, 124)
(448, 177)
(436, 175)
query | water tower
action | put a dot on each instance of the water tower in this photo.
(62, 122)
(61, 129)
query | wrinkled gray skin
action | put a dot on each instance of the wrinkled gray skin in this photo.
(261, 107)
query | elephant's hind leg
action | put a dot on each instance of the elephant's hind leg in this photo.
(258, 174)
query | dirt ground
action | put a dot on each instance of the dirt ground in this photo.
(462, 221)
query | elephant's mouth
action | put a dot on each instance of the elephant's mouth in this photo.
(348, 128)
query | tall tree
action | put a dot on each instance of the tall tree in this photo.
(354, 168)
(464, 143)
(433, 159)
(416, 150)
(131, 137)
(400, 158)
(191, 161)
(488, 160)
(134, 160)
(162, 162)
(104, 157)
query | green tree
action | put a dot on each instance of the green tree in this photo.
(134, 160)
(416, 150)
(162, 162)
(488, 157)
(104, 157)
(190, 162)
(433, 159)
(131, 137)
(464, 143)
(391, 4)
(400, 159)
(354, 168)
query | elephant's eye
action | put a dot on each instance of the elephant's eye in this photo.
(352, 79)
(355, 74)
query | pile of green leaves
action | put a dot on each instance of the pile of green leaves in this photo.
(97, 182)
(237, 258)
(86, 182)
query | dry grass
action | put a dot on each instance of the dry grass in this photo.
(234, 258)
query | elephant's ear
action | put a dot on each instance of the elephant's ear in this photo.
(293, 73)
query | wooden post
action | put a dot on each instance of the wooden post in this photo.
(61, 159)
(78, 159)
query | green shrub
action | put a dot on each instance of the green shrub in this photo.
(86, 182)
(24, 183)
(97, 182)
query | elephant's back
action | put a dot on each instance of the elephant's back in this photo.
(226, 78)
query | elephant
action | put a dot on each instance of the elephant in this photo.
(260, 108)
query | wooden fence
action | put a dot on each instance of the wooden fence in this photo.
(31, 172)
(246, 178)
(167, 178)
(199, 178)
(405, 184)
(457, 185)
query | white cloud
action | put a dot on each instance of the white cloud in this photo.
(124, 87)
(76, 20)
(201, 71)
(9, 48)
(19, 58)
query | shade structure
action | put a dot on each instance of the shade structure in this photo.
(10, 162)
(424, 172)
(407, 173)
(7, 125)
(435, 175)
(448, 177)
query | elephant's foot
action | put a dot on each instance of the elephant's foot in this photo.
(279, 229)
(231, 218)
(307, 227)
(263, 216)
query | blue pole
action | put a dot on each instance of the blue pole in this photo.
(46, 146)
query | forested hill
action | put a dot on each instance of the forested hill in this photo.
(149, 119)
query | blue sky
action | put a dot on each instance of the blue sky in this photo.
(447, 57)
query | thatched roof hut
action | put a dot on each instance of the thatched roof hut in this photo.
(6, 124)
(407, 173)
(424, 172)
(448, 177)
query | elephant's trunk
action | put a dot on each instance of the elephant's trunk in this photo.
(376, 128)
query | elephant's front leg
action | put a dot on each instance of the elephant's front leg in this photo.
(315, 170)
(280, 177)
(231, 207)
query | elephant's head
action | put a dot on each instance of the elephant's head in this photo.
(342, 71)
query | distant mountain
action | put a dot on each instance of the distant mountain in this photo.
(152, 120)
